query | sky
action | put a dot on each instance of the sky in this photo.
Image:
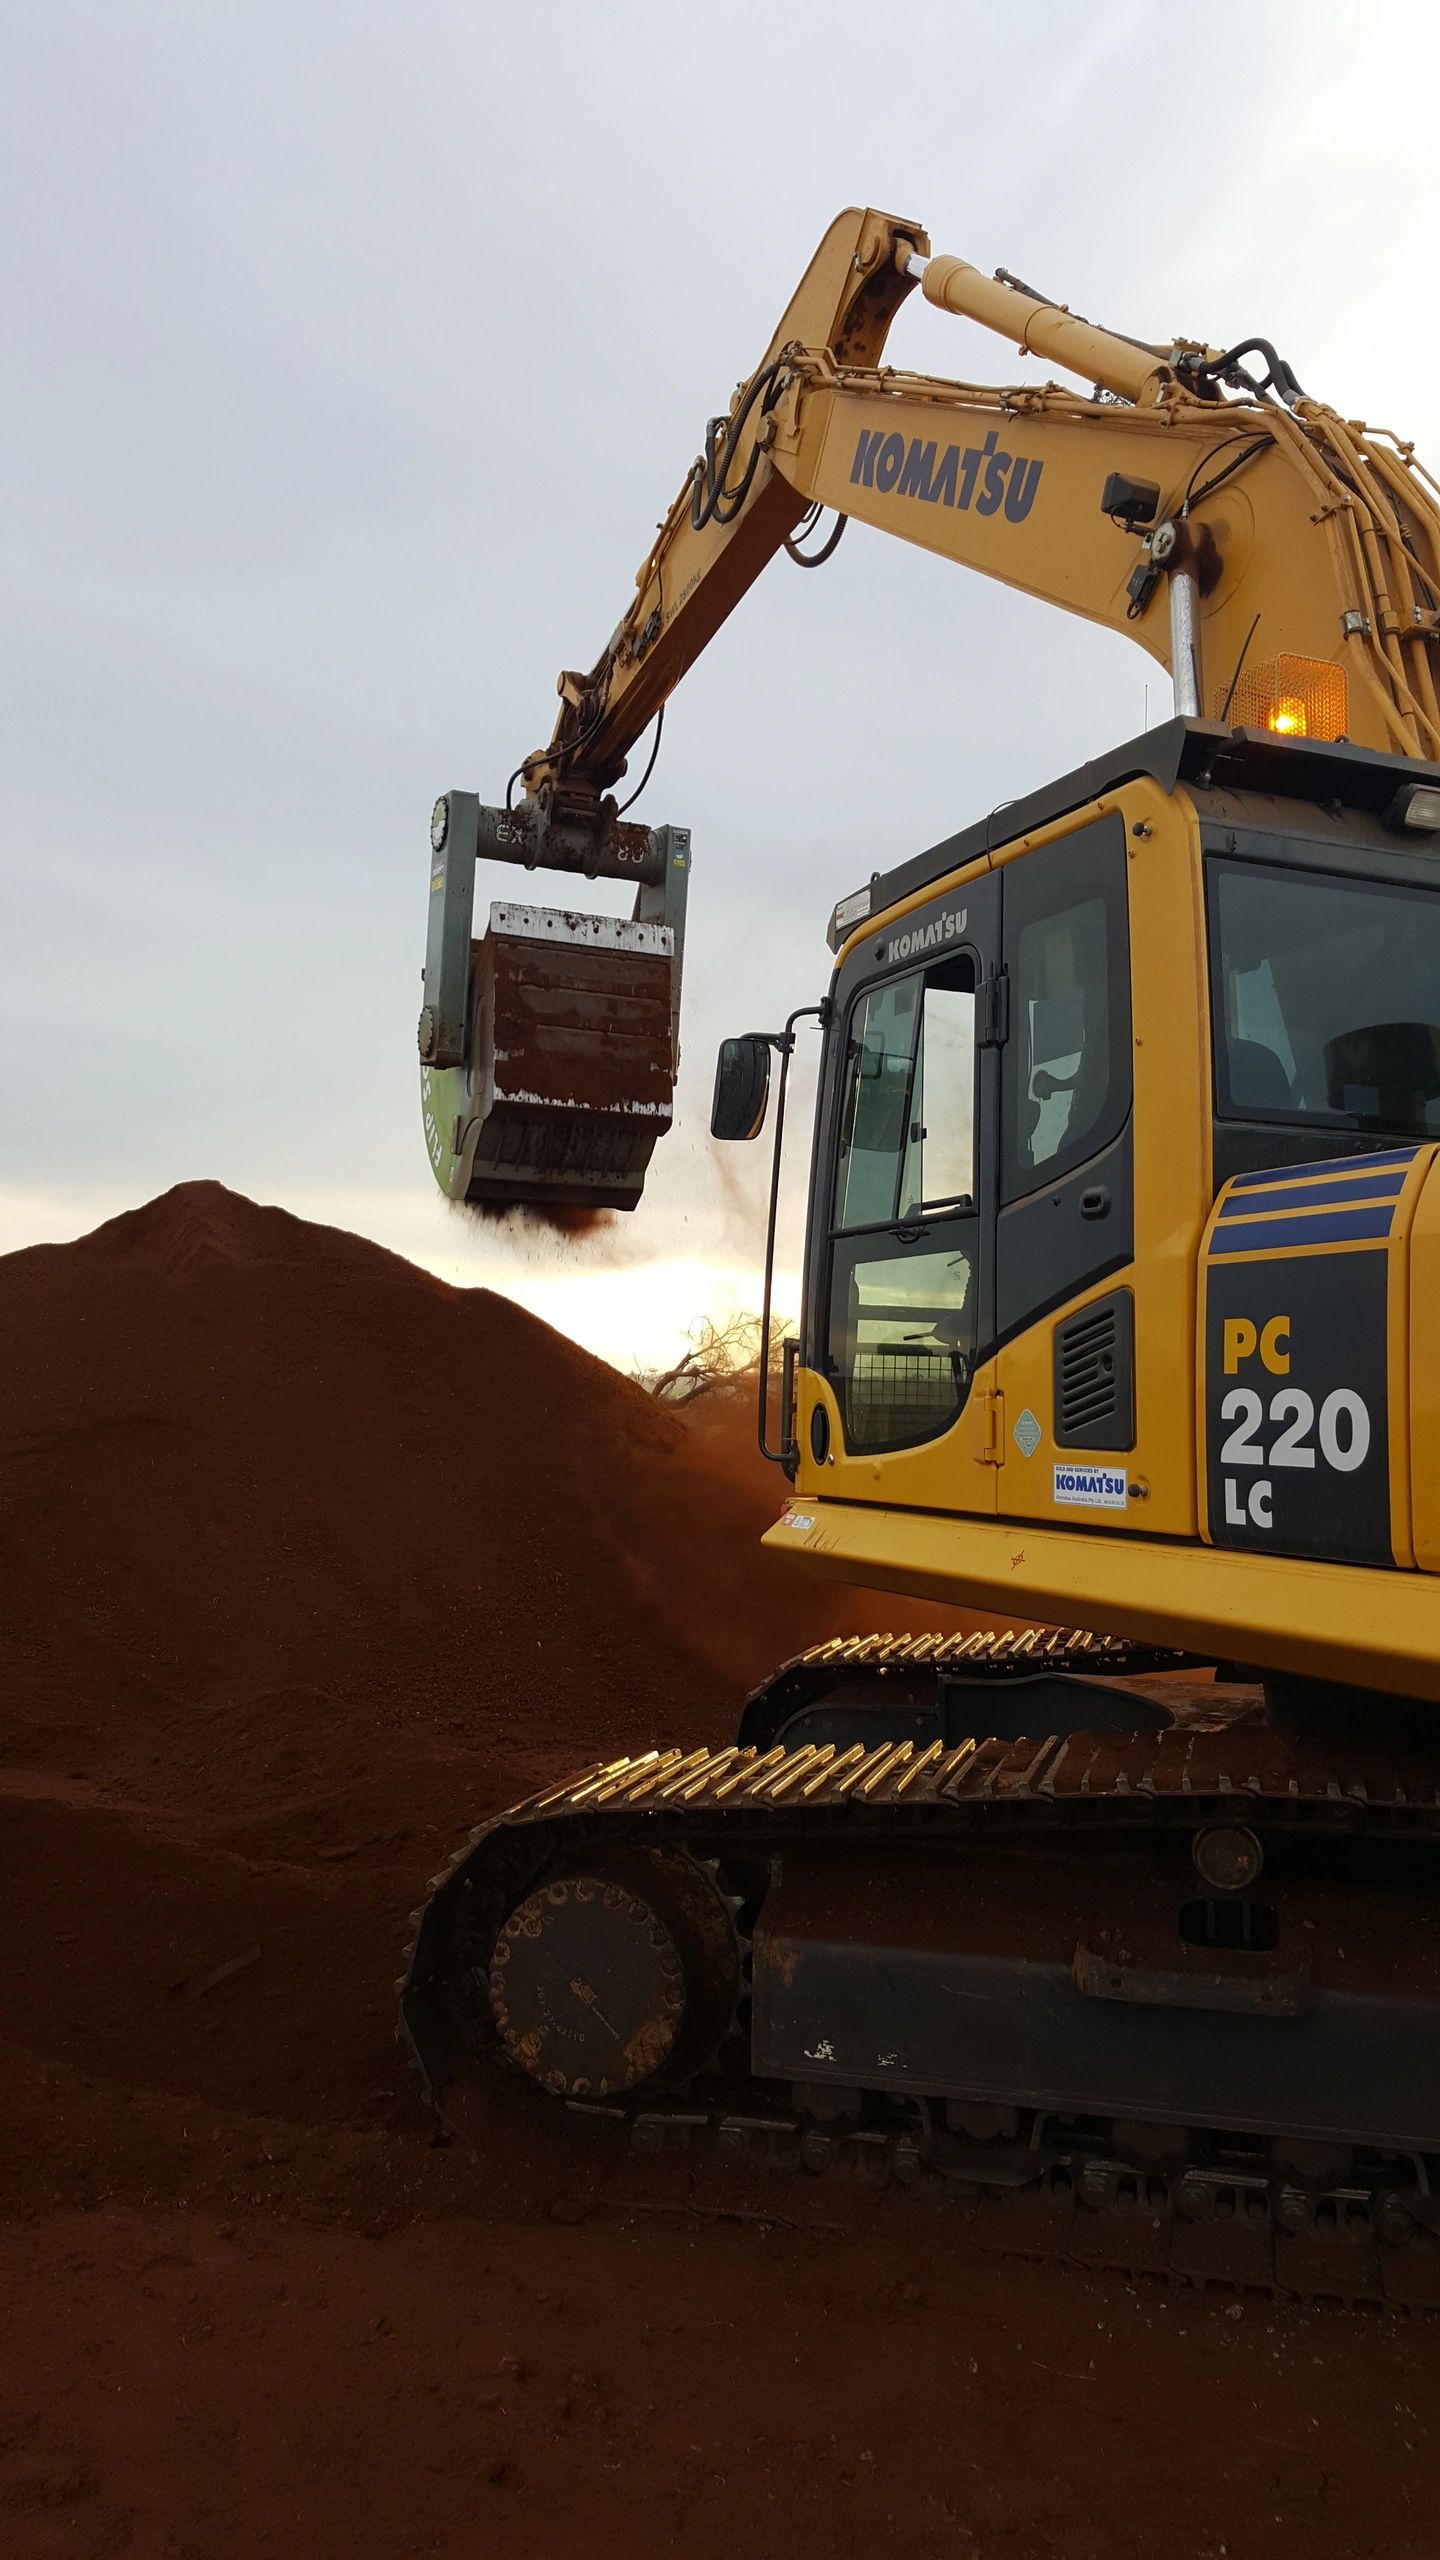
(350, 355)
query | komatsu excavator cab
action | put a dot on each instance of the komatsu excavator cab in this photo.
(1122, 1229)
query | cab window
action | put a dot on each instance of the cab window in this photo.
(1325, 1000)
(903, 1314)
(1066, 1084)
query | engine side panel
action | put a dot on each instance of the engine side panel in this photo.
(1305, 1359)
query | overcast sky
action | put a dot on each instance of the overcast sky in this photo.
(351, 354)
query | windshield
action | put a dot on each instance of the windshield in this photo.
(1327, 1000)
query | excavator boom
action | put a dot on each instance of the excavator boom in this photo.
(1283, 564)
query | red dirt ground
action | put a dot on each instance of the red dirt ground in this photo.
(306, 1560)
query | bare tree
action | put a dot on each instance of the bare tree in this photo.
(718, 1354)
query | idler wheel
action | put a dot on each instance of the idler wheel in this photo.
(617, 1977)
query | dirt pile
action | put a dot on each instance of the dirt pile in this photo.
(306, 1560)
(273, 1496)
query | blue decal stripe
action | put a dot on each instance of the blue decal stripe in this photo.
(1333, 1168)
(1376, 1190)
(1353, 1226)
(1286, 1178)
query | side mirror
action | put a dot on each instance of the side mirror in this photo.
(742, 1087)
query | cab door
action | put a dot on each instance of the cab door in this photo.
(1065, 1239)
(901, 1291)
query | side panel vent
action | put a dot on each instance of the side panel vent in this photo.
(1095, 1375)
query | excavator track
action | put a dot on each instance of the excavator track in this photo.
(929, 1688)
(1166, 2002)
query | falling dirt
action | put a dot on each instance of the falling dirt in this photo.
(538, 1217)
(305, 1561)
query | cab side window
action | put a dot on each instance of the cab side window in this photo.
(1067, 1076)
(903, 1320)
(907, 1137)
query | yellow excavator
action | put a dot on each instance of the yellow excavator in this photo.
(1121, 1315)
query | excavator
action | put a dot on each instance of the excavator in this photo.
(1120, 1319)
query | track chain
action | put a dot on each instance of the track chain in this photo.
(1240, 2223)
(1220, 2212)
(1001, 1660)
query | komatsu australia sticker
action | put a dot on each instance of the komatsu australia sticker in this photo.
(1095, 1488)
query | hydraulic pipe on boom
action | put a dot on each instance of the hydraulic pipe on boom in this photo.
(1117, 365)
(1039, 328)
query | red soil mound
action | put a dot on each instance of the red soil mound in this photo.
(269, 1484)
(306, 1560)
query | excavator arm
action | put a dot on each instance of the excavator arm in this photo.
(735, 511)
(1282, 563)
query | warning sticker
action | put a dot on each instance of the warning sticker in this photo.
(1095, 1488)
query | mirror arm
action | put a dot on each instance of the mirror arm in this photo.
(787, 1455)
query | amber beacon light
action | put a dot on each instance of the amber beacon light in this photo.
(1292, 698)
